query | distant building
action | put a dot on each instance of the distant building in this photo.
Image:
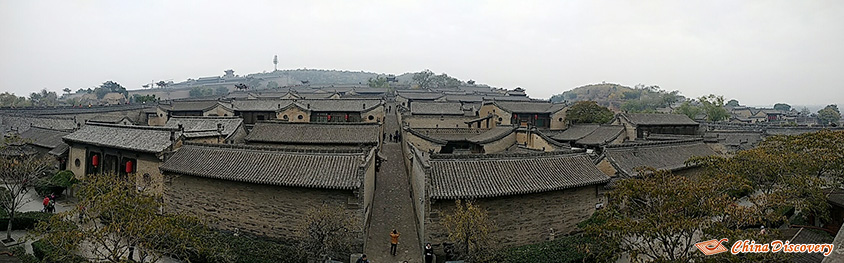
(543, 115)
(623, 160)
(328, 135)
(209, 129)
(135, 151)
(642, 125)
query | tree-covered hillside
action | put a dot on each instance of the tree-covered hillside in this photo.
(622, 98)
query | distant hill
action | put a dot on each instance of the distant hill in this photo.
(321, 76)
(622, 98)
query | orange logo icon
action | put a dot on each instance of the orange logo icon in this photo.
(712, 247)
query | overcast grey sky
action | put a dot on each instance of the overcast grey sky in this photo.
(758, 52)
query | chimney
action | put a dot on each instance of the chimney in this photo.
(181, 128)
(364, 105)
(219, 127)
(309, 106)
(279, 105)
(172, 136)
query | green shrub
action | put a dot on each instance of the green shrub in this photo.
(42, 250)
(19, 252)
(56, 184)
(24, 220)
(564, 249)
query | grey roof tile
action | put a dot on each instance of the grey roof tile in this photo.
(135, 138)
(670, 155)
(197, 127)
(315, 133)
(658, 119)
(436, 108)
(42, 137)
(485, 176)
(268, 166)
(602, 135)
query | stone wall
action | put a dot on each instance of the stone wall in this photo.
(558, 120)
(293, 114)
(218, 110)
(606, 167)
(420, 143)
(417, 185)
(523, 219)
(500, 117)
(377, 114)
(500, 145)
(264, 210)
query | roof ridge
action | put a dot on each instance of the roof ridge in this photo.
(318, 123)
(258, 148)
(657, 143)
(505, 156)
(137, 127)
(206, 117)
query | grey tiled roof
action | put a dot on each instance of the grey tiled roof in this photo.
(658, 119)
(420, 95)
(60, 150)
(135, 138)
(670, 155)
(21, 123)
(196, 127)
(602, 135)
(191, 105)
(575, 132)
(436, 108)
(485, 176)
(109, 119)
(267, 166)
(321, 105)
(42, 137)
(444, 135)
(529, 107)
(315, 133)
(809, 236)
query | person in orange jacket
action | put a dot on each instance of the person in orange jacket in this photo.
(394, 241)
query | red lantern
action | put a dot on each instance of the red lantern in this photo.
(329, 117)
(535, 116)
(514, 116)
(129, 167)
(95, 160)
(347, 117)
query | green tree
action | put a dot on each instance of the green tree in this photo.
(379, 82)
(108, 87)
(469, 226)
(688, 109)
(119, 221)
(17, 176)
(327, 232)
(144, 98)
(588, 112)
(200, 92)
(733, 103)
(713, 107)
(829, 114)
(659, 216)
(66, 91)
(782, 107)
(270, 85)
(222, 90)
(423, 78)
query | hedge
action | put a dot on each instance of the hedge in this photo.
(560, 250)
(41, 249)
(24, 220)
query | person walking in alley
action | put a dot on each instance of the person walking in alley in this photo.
(362, 259)
(46, 203)
(394, 241)
(429, 253)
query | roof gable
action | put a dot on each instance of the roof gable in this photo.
(135, 138)
(315, 133)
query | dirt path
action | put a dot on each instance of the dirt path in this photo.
(392, 206)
